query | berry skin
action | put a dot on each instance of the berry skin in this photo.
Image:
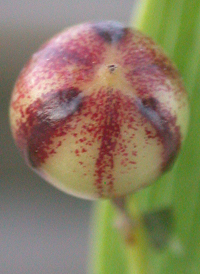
(99, 111)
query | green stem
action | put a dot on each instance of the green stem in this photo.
(137, 261)
(131, 228)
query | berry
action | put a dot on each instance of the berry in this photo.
(99, 111)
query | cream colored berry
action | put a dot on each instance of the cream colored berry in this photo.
(99, 111)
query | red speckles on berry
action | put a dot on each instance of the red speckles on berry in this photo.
(99, 103)
(46, 118)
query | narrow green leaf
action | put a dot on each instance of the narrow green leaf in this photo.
(179, 35)
(175, 25)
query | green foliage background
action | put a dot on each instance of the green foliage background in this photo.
(175, 25)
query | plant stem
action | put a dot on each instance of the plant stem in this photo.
(131, 226)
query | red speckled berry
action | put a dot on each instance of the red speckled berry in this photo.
(99, 111)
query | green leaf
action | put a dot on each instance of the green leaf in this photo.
(175, 25)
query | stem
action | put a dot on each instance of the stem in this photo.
(125, 223)
(130, 225)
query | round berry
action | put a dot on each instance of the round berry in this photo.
(99, 111)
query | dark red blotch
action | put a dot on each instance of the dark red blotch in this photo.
(165, 124)
(47, 117)
(110, 31)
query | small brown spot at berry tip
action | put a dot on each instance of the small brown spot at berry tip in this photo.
(112, 68)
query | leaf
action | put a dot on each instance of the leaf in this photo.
(180, 38)
(159, 225)
(175, 25)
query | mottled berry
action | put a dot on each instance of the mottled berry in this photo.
(99, 111)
